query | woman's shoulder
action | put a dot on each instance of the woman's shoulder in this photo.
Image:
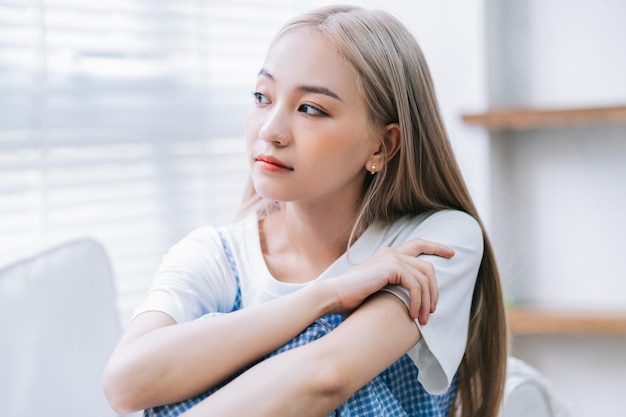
(447, 218)
(444, 226)
(451, 217)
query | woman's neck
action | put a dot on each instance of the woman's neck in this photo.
(306, 239)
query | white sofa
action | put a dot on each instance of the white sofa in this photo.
(528, 394)
(59, 324)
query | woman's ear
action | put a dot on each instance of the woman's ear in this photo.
(387, 148)
(393, 140)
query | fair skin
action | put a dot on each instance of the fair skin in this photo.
(309, 118)
(310, 147)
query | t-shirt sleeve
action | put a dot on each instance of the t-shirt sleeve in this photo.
(439, 352)
(192, 280)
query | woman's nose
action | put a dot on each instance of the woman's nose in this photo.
(275, 127)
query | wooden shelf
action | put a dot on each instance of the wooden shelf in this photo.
(524, 118)
(528, 320)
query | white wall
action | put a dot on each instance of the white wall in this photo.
(556, 52)
(578, 53)
(557, 199)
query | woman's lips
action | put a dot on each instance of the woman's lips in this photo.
(269, 163)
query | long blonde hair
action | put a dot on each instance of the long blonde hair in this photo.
(423, 176)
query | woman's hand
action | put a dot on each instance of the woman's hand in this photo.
(400, 265)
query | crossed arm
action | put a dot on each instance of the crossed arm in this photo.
(157, 362)
(314, 379)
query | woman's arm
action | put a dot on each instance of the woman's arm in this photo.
(315, 379)
(158, 363)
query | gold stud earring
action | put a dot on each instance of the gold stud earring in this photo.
(373, 170)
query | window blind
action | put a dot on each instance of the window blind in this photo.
(123, 120)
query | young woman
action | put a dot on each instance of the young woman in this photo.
(329, 295)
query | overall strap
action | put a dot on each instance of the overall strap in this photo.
(233, 268)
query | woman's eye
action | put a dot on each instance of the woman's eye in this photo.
(260, 98)
(311, 110)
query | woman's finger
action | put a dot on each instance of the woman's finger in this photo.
(428, 270)
(415, 299)
(416, 247)
(425, 306)
(421, 274)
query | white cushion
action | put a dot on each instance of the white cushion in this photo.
(59, 324)
(527, 393)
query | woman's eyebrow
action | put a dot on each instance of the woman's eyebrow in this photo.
(263, 72)
(306, 88)
(319, 90)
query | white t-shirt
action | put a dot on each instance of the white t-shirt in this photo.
(195, 279)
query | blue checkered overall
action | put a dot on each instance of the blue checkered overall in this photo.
(396, 392)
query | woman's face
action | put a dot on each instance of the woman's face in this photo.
(307, 133)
